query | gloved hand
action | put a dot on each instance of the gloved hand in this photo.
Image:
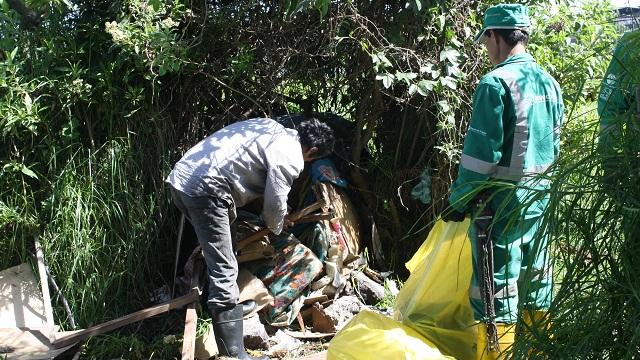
(451, 214)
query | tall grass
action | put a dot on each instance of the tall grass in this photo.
(100, 233)
(593, 224)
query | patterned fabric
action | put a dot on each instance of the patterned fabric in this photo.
(316, 238)
(295, 268)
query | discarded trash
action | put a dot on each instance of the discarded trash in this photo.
(433, 315)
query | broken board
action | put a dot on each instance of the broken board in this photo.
(21, 303)
(29, 344)
(24, 333)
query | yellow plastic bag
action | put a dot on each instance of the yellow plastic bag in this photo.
(434, 317)
(435, 299)
(372, 336)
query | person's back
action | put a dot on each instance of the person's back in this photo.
(531, 120)
(236, 160)
(513, 138)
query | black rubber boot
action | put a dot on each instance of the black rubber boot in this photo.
(227, 326)
(248, 306)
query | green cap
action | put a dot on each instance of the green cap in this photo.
(506, 16)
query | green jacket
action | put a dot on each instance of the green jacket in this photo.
(513, 135)
(617, 99)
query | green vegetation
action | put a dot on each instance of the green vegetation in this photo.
(99, 98)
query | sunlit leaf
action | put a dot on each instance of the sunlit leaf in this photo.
(425, 87)
(387, 79)
(28, 103)
(25, 170)
(450, 54)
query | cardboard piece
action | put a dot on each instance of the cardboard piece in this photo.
(29, 344)
(21, 303)
(346, 214)
(251, 288)
(206, 346)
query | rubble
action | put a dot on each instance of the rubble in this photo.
(297, 280)
(370, 291)
(255, 334)
(333, 317)
(281, 344)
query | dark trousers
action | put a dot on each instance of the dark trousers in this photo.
(209, 216)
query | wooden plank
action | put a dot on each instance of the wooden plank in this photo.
(28, 344)
(251, 238)
(315, 299)
(44, 284)
(189, 338)
(125, 320)
(191, 319)
(301, 323)
(264, 232)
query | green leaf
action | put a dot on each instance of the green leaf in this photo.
(441, 21)
(25, 170)
(401, 76)
(426, 68)
(387, 79)
(444, 106)
(323, 7)
(380, 61)
(12, 55)
(424, 87)
(449, 82)
(412, 89)
(418, 4)
(450, 54)
(155, 4)
(28, 103)
(304, 4)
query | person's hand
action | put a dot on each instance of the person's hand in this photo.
(287, 222)
(451, 214)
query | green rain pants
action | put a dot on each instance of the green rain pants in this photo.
(521, 273)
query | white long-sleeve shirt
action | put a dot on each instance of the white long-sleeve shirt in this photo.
(246, 160)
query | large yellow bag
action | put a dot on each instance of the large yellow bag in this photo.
(433, 315)
(435, 299)
(373, 336)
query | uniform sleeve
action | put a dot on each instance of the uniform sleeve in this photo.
(616, 91)
(482, 148)
(284, 166)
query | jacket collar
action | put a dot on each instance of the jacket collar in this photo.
(518, 58)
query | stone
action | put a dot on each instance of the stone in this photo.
(333, 317)
(371, 292)
(255, 335)
(206, 346)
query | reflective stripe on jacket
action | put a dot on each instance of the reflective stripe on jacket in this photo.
(513, 135)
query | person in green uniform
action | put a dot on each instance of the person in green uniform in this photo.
(620, 118)
(513, 136)
(619, 150)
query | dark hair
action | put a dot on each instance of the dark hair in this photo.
(512, 36)
(314, 133)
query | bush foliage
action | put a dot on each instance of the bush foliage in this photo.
(99, 98)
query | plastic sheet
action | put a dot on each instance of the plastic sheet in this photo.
(373, 336)
(435, 299)
(434, 319)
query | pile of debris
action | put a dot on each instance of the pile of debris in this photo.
(307, 283)
(303, 285)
